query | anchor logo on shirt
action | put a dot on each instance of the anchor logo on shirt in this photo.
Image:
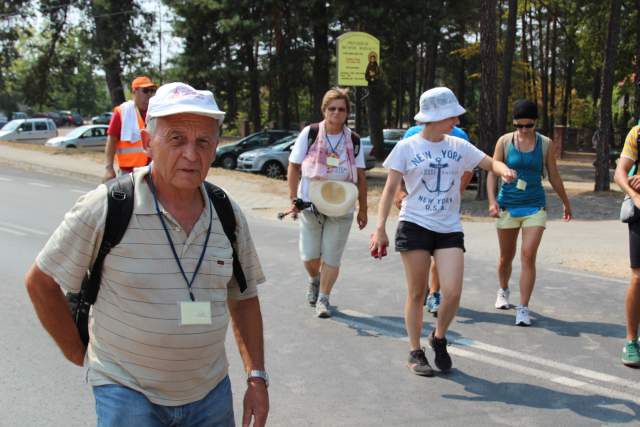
(438, 166)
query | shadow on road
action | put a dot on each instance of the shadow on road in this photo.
(561, 327)
(596, 407)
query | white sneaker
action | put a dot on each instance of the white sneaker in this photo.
(522, 316)
(322, 308)
(502, 301)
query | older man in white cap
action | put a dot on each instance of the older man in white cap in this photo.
(156, 354)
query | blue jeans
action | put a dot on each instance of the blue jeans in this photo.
(119, 406)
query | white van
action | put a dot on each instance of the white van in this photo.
(33, 131)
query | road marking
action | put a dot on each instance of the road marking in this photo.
(5, 179)
(39, 184)
(587, 275)
(461, 346)
(73, 190)
(25, 229)
(14, 232)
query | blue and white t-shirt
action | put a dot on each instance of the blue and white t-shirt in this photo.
(432, 172)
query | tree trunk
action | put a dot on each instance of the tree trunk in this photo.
(524, 55)
(413, 104)
(568, 74)
(320, 55)
(374, 110)
(108, 41)
(636, 108)
(489, 77)
(507, 62)
(282, 65)
(605, 131)
(544, 70)
(533, 59)
(552, 100)
(254, 85)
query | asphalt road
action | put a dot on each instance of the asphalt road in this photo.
(349, 370)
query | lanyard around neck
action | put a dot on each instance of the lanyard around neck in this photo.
(334, 149)
(173, 249)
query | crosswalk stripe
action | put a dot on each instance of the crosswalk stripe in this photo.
(39, 184)
(461, 348)
(25, 229)
(14, 232)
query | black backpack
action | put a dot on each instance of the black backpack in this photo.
(119, 211)
(313, 134)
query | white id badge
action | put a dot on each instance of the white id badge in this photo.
(333, 162)
(195, 313)
(521, 184)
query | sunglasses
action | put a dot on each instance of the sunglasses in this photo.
(339, 109)
(148, 90)
(527, 126)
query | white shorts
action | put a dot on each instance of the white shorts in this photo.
(324, 237)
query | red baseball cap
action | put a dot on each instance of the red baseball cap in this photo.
(142, 81)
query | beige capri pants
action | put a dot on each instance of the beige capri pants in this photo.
(323, 236)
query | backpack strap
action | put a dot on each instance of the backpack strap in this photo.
(313, 134)
(545, 152)
(223, 208)
(314, 128)
(119, 210)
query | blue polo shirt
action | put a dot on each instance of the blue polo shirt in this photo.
(456, 131)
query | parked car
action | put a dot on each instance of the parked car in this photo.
(89, 136)
(36, 130)
(53, 115)
(391, 137)
(271, 161)
(3, 119)
(369, 158)
(102, 119)
(227, 155)
(71, 118)
(19, 115)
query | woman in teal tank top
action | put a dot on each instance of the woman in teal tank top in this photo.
(521, 204)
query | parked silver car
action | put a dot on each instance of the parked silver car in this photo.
(90, 136)
(271, 161)
(33, 131)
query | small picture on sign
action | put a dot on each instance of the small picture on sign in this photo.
(372, 73)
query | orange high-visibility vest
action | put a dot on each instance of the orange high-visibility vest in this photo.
(130, 154)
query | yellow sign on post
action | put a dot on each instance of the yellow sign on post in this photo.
(358, 59)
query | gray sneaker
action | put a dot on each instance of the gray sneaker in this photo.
(322, 308)
(312, 292)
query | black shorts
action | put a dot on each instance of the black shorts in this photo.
(410, 236)
(634, 244)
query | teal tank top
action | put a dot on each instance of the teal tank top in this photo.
(529, 167)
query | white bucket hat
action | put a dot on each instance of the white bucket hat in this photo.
(178, 98)
(333, 198)
(438, 104)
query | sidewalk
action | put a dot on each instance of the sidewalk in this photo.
(590, 246)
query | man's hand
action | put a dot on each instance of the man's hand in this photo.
(256, 404)
(109, 173)
(399, 197)
(362, 218)
(634, 182)
(566, 213)
(494, 210)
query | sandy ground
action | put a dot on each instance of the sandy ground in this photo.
(595, 241)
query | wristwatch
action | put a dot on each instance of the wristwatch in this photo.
(254, 373)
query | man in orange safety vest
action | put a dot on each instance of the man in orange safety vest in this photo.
(124, 142)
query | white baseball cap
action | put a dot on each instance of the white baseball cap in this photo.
(178, 98)
(438, 104)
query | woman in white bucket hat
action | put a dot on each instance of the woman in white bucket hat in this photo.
(328, 170)
(431, 164)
